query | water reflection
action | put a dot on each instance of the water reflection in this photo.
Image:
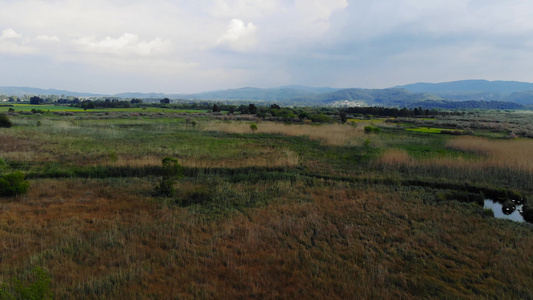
(499, 213)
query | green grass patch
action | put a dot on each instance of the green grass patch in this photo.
(429, 129)
(371, 121)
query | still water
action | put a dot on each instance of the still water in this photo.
(497, 208)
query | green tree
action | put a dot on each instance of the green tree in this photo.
(13, 184)
(252, 109)
(343, 117)
(4, 121)
(253, 127)
(36, 100)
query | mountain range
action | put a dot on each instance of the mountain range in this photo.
(514, 93)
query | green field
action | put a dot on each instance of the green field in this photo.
(66, 108)
(428, 130)
(285, 210)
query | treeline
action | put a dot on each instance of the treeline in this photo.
(470, 104)
(398, 112)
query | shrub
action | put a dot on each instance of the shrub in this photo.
(320, 118)
(13, 184)
(372, 129)
(37, 287)
(4, 121)
(488, 212)
(171, 171)
(528, 213)
(253, 127)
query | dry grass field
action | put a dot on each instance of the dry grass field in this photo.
(285, 211)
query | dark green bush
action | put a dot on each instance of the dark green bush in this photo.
(4, 121)
(372, 129)
(528, 213)
(171, 171)
(13, 184)
(321, 118)
(37, 286)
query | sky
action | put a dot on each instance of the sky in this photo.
(189, 46)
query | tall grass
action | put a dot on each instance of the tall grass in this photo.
(329, 134)
(499, 163)
(514, 154)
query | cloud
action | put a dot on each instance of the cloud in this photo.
(127, 44)
(10, 34)
(48, 38)
(13, 43)
(261, 42)
(239, 36)
(244, 8)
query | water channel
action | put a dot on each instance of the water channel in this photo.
(501, 213)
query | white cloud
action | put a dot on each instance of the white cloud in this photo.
(48, 38)
(10, 34)
(305, 41)
(252, 9)
(127, 44)
(239, 36)
(13, 43)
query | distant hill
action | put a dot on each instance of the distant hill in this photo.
(428, 95)
(471, 104)
(280, 94)
(21, 91)
(509, 91)
(469, 86)
(381, 97)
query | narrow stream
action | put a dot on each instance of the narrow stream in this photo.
(499, 212)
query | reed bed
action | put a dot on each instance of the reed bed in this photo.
(265, 158)
(512, 154)
(515, 154)
(329, 134)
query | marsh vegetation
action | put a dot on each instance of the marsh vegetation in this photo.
(275, 210)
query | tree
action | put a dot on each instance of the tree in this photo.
(4, 121)
(252, 109)
(36, 100)
(343, 117)
(216, 108)
(253, 127)
(164, 101)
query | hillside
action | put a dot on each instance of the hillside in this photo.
(402, 96)
(22, 91)
(510, 91)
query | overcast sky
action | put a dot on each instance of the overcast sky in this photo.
(185, 46)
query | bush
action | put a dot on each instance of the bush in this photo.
(4, 121)
(372, 129)
(253, 127)
(37, 287)
(528, 214)
(320, 118)
(13, 184)
(171, 171)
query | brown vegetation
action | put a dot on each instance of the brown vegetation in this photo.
(262, 215)
(343, 242)
(329, 134)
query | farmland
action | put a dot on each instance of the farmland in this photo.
(284, 210)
